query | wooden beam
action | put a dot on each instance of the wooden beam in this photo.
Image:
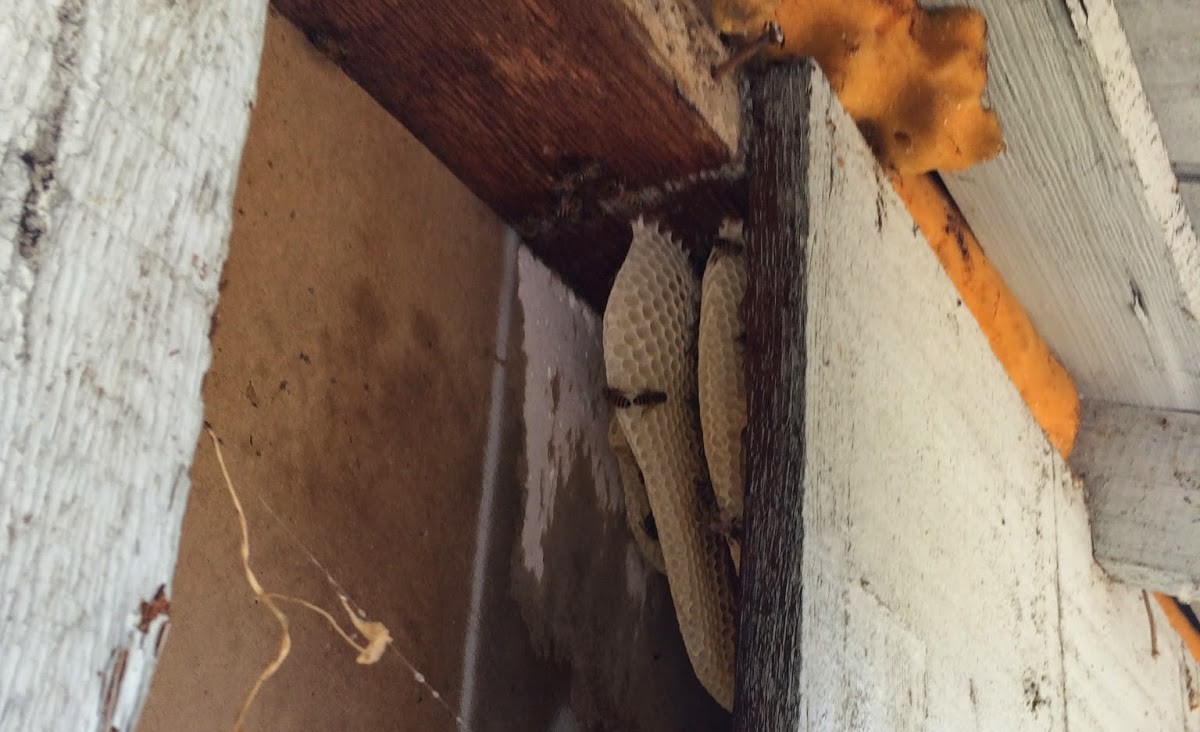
(1081, 214)
(917, 484)
(769, 651)
(1141, 468)
(512, 96)
(120, 130)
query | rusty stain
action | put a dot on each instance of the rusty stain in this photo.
(158, 605)
(112, 688)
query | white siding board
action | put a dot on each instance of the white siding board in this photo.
(121, 129)
(1142, 472)
(1081, 214)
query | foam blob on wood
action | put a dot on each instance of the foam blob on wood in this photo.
(913, 80)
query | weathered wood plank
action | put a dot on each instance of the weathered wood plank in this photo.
(1141, 468)
(1125, 669)
(1162, 36)
(766, 694)
(1081, 214)
(510, 95)
(928, 492)
(121, 127)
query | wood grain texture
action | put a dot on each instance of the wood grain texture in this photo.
(766, 694)
(511, 94)
(1081, 214)
(121, 127)
(1142, 472)
(947, 580)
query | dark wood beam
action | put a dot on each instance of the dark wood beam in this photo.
(515, 96)
(769, 643)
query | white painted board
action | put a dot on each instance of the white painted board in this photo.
(1142, 472)
(121, 128)
(948, 573)
(1081, 214)
(1164, 36)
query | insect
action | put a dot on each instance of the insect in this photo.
(772, 34)
(328, 45)
(620, 399)
(577, 173)
(618, 197)
(569, 208)
(728, 528)
(728, 247)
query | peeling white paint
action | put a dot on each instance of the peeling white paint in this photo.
(564, 413)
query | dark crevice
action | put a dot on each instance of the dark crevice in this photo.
(1189, 614)
(1186, 172)
(1138, 300)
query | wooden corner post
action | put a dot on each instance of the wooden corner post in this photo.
(777, 232)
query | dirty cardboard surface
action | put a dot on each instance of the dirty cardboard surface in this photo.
(352, 359)
(353, 352)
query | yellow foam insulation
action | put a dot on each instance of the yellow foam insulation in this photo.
(912, 79)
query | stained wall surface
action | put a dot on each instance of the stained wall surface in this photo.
(370, 308)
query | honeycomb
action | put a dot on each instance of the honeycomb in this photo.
(637, 503)
(650, 332)
(722, 378)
